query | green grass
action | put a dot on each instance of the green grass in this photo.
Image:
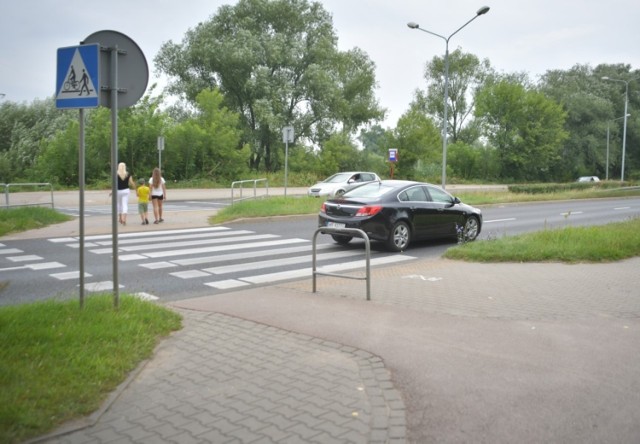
(28, 218)
(268, 206)
(59, 362)
(283, 206)
(602, 243)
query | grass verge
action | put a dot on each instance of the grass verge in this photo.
(29, 218)
(59, 362)
(270, 206)
(602, 243)
(292, 205)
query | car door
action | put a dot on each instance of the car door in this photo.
(446, 216)
(422, 211)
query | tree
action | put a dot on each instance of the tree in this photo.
(208, 144)
(277, 64)
(418, 142)
(24, 131)
(466, 74)
(526, 128)
(582, 95)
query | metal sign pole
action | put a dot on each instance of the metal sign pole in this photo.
(81, 173)
(114, 171)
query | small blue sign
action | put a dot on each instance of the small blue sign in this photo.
(78, 77)
(393, 155)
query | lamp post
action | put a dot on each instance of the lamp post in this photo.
(624, 130)
(414, 25)
(608, 125)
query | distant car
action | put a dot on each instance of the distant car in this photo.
(340, 183)
(398, 212)
(588, 179)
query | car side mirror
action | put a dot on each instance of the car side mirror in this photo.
(456, 200)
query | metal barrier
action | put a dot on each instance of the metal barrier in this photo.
(345, 232)
(241, 182)
(25, 195)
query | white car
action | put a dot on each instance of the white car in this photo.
(589, 179)
(340, 183)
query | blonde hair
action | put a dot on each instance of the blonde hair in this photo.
(156, 177)
(122, 170)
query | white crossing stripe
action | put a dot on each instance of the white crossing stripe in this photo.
(45, 265)
(160, 246)
(31, 257)
(69, 275)
(306, 272)
(11, 251)
(187, 251)
(190, 274)
(100, 286)
(199, 236)
(227, 284)
(280, 262)
(248, 255)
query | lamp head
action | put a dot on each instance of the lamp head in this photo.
(483, 10)
(605, 78)
(413, 25)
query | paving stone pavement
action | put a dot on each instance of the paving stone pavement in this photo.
(445, 351)
(222, 379)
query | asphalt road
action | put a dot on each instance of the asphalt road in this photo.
(175, 262)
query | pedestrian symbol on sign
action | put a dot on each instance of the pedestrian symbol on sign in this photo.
(77, 84)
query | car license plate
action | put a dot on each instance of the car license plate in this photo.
(335, 225)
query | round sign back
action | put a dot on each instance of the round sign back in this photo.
(132, 73)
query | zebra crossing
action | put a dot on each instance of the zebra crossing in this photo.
(224, 258)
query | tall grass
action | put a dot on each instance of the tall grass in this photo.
(58, 361)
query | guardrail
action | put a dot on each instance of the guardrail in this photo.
(346, 232)
(255, 186)
(24, 197)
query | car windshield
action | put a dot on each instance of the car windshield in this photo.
(371, 190)
(338, 178)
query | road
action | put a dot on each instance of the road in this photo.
(186, 263)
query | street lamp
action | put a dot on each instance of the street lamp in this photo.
(624, 130)
(414, 25)
(608, 125)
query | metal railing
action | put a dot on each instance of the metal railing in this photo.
(344, 232)
(25, 198)
(234, 186)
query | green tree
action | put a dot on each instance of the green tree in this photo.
(466, 74)
(208, 144)
(526, 128)
(418, 142)
(25, 129)
(277, 64)
(338, 154)
(581, 92)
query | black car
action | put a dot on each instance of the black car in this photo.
(398, 212)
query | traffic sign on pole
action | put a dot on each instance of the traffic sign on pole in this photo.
(78, 77)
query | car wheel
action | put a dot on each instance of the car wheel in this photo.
(342, 240)
(339, 192)
(471, 228)
(400, 237)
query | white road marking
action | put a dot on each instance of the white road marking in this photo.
(31, 257)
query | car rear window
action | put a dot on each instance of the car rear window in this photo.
(370, 190)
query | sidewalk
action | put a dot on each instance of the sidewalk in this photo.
(445, 351)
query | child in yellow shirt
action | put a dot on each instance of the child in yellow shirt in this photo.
(143, 192)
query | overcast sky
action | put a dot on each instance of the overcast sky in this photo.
(533, 36)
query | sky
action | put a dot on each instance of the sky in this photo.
(532, 37)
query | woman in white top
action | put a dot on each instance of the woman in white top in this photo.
(158, 194)
(125, 182)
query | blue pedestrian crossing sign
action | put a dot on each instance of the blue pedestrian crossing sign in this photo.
(78, 77)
